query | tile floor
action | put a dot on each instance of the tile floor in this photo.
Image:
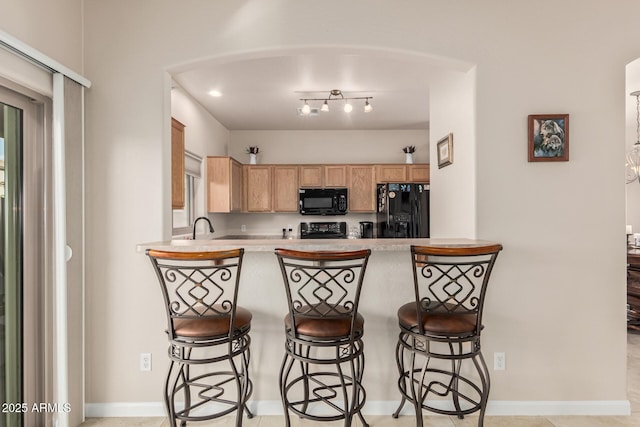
(432, 421)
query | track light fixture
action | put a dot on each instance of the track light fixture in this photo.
(336, 95)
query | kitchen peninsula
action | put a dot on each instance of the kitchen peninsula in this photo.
(388, 284)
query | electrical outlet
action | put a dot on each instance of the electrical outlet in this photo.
(243, 228)
(499, 361)
(145, 362)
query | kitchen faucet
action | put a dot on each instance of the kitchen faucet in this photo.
(211, 230)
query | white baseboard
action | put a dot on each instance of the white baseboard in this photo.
(495, 408)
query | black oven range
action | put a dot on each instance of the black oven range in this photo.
(323, 230)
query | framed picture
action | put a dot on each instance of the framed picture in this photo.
(445, 151)
(548, 138)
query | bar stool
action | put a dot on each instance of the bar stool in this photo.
(323, 331)
(438, 352)
(204, 326)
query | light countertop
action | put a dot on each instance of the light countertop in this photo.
(269, 243)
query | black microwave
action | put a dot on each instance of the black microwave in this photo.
(323, 201)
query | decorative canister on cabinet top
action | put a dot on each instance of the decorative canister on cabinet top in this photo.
(408, 153)
(253, 154)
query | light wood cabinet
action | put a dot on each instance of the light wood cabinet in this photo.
(391, 173)
(419, 173)
(336, 175)
(233, 187)
(362, 188)
(257, 188)
(177, 164)
(311, 176)
(285, 188)
(224, 184)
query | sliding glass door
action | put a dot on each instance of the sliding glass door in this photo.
(11, 283)
(21, 266)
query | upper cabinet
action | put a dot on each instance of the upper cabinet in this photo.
(233, 187)
(391, 173)
(336, 175)
(224, 184)
(285, 188)
(257, 188)
(362, 188)
(419, 173)
(311, 175)
(177, 164)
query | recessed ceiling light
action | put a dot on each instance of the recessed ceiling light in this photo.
(215, 93)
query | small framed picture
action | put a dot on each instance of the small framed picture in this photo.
(548, 138)
(445, 151)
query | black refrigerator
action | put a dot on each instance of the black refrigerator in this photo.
(403, 210)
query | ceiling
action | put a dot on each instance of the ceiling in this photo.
(264, 93)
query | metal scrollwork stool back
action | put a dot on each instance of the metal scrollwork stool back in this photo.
(440, 363)
(321, 372)
(206, 328)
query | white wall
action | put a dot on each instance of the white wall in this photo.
(357, 146)
(54, 28)
(204, 136)
(556, 302)
(453, 187)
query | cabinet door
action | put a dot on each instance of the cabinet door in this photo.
(177, 164)
(419, 173)
(311, 176)
(236, 186)
(285, 188)
(362, 188)
(335, 176)
(224, 184)
(257, 186)
(391, 173)
(218, 184)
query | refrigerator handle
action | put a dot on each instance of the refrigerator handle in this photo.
(386, 204)
(417, 218)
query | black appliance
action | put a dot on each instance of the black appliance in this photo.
(323, 230)
(323, 201)
(366, 229)
(403, 210)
